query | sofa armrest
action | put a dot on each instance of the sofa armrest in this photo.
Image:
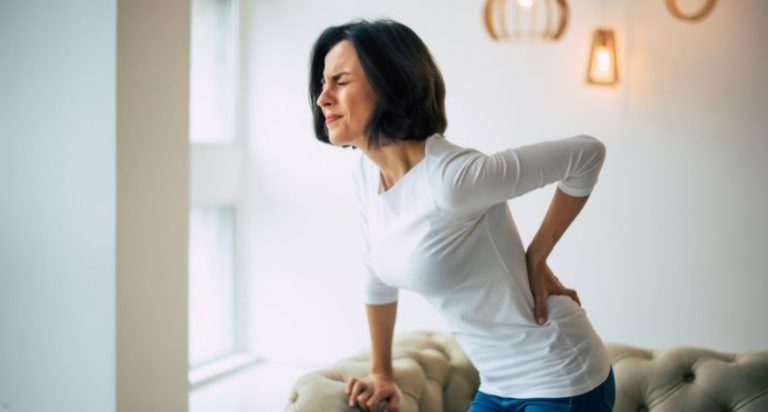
(689, 379)
(431, 371)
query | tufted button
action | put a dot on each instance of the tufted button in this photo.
(642, 408)
(689, 377)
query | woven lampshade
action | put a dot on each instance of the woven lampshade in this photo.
(509, 20)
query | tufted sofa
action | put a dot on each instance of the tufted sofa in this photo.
(434, 375)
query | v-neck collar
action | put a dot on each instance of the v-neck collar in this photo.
(379, 188)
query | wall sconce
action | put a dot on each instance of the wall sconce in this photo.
(602, 59)
(695, 16)
(526, 19)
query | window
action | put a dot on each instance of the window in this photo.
(212, 284)
(214, 71)
(217, 341)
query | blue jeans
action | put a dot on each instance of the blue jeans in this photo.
(597, 400)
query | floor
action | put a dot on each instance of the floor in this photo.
(258, 388)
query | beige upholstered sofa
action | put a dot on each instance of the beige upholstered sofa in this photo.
(434, 375)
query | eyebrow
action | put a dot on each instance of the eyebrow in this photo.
(336, 76)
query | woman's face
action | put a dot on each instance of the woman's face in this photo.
(347, 99)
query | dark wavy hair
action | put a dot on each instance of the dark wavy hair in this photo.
(402, 73)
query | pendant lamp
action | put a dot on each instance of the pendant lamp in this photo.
(507, 20)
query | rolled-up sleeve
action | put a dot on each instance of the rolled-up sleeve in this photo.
(471, 180)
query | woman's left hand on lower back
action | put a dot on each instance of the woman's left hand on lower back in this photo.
(544, 283)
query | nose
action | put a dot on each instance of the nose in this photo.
(325, 98)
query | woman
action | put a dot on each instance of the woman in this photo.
(435, 220)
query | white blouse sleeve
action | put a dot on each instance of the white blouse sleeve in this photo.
(471, 180)
(376, 292)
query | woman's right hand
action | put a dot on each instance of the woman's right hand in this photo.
(366, 393)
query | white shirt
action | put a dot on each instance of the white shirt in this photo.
(445, 231)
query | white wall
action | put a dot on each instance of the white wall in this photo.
(57, 207)
(687, 240)
(666, 252)
(93, 217)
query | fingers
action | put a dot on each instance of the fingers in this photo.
(348, 386)
(393, 404)
(540, 308)
(573, 295)
(544, 283)
(366, 397)
(357, 389)
(373, 402)
(558, 285)
(363, 400)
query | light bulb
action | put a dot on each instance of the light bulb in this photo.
(526, 4)
(603, 60)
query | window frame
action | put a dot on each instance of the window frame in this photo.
(217, 172)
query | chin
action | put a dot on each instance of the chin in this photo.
(340, 140)
(334, 139)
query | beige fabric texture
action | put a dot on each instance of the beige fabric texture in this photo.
(434, 375)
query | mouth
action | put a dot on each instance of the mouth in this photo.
(331, 119)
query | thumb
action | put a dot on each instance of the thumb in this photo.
(540, 308)
(391, 406)
(393, 402)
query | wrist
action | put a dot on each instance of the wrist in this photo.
(385, 373)
(384, 376)
(536, 256)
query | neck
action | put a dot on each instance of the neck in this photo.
(395, 160)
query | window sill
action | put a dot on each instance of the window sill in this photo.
(203, 374)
